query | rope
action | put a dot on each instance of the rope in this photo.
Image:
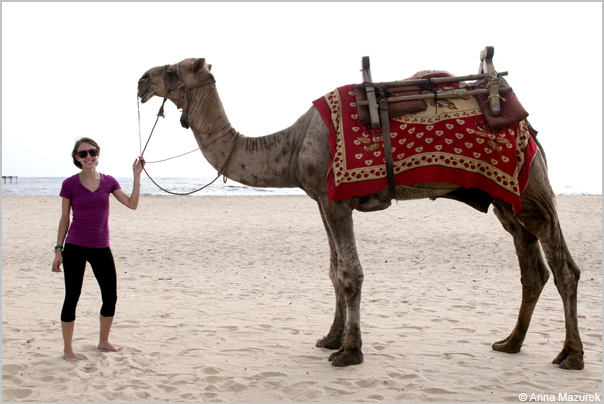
(493, 95)
(161, 113)
(180, 155)
(140, 143)
(178, 193)
(495, 80)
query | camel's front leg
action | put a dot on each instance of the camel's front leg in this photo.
(347, 277)
(333, 340)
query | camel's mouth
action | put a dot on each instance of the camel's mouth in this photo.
(144, 98)
(144, 94)
(151, 83)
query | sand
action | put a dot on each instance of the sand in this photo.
(223, 299)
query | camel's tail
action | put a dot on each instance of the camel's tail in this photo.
(546, 170)
(542, 151)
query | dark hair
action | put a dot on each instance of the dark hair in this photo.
(78, 142)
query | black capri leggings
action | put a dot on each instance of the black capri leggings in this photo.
(103, 267)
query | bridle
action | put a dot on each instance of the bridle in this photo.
(184, 123)
(185, 109)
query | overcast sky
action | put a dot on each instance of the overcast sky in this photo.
(71, 70)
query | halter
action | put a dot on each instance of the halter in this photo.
(184, 121)
(185, 109)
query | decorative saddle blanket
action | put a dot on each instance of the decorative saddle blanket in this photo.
(450, 142)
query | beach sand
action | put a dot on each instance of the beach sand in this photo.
(223, 299)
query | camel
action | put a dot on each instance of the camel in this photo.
(298, 156)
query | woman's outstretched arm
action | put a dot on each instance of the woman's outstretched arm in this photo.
(132, 200)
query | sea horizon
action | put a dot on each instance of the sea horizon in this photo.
(51, 186)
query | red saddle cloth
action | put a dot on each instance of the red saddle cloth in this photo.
(448, 142)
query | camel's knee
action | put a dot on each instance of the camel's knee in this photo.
(333, 276)
(566, 282)
(574, 268)
(528, 225)
(566, 271)
(568, 276)
(536, 270)
(506, 217)
(537, 222)
(350, 280)
(535, 280)
(570, 262)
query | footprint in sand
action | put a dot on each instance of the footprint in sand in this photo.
(292, 331)
(269, 374)
(211, 371)
(450, 355)
(230, 327)
(213, 380)
(15, 394)
(234, 386)
(435, 390)
(167, 389)
(143, 395)
(186, 396)
(445, 319)
(369, 383)
(8, 369)
(409, 376)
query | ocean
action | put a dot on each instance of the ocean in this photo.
(51, 186)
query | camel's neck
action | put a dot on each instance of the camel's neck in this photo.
(267, 161)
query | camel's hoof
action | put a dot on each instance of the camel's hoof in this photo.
(329, 343)
(570, 362)
(346, 357)
(506, 346)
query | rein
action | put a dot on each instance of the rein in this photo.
(184, 116)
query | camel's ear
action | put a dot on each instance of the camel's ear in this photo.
(209, 67)
(198, 65)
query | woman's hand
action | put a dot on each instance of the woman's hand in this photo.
(56, 265)
(138, 165)
(132, 200)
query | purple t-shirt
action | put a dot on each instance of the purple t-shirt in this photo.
(90, 224)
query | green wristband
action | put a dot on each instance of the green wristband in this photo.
(58, 246)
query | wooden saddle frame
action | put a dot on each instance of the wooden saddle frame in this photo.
(377, 102)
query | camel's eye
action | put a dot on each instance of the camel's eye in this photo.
(171, 73)
(145, 76)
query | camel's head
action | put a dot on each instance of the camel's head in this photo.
(152, 83)
(170, 81)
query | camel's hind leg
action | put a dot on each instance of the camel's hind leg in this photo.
(533, 275)
(333, 340)
(539, 217)
(566, 277)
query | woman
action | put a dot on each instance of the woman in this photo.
(87, 193)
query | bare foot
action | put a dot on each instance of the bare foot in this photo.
(107, 346)
(71, 357)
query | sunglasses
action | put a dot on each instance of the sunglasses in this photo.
(83, 153)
